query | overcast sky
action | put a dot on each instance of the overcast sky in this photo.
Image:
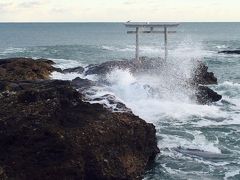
(118, 10)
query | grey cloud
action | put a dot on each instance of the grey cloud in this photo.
(30, 4)
(129, 2)
(149, 2)
(58, 10)
(4, 6)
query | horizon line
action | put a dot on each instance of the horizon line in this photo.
(118, 21)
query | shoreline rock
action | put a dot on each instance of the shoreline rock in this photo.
(47, 131)
(202, 76)
(25, 69)
(205, 95)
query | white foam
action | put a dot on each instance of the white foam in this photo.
(167, 103)
(114, 48)
(230, 174)
(67, 76)
(12, 50)
(221, 47)
(121, 78)
(229, 84)
(66, 63)
(144, 49)
(199, 142)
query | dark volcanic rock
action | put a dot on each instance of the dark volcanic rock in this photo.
(202, 76)
(206, 95)
(230, 52)
(48, 132)
(78, 69)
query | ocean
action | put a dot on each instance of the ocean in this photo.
(179, 121)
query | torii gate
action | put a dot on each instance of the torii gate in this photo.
(150, 28)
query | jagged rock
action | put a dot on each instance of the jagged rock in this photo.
(206, 95)
(78, 69)
(48, 132)
(202, 76)
(230, 52)
(25, 69)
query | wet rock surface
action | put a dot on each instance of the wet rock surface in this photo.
(205, 95)
(47, 130)
(202, 76)
(78, 69)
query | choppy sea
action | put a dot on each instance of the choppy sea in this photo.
(179, 121)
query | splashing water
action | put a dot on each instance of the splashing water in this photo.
(165, 99)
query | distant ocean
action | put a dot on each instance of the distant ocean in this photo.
(179, 121)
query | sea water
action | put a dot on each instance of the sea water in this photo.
(179, 120)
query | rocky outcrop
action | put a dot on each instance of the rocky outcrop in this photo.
(205, 95)
(25, 69)
(230, 52)
(47, 131)
(202, 76)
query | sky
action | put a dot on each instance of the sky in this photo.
(119, 10)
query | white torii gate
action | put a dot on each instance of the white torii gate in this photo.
(151, 28)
